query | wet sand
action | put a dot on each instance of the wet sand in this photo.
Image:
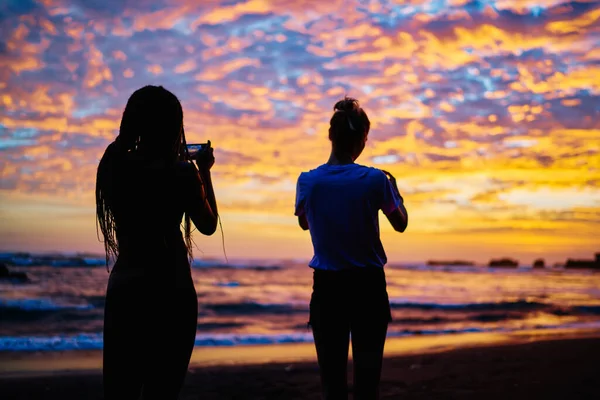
(549, 369)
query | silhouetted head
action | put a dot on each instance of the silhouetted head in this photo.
(152, 125)
(349, 127)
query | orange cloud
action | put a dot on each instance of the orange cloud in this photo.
(28, 55)
(97, 71)
(230, 13)
(219, 71)
(155, 69)
(574, 25)
(186, 66)
(119, 55)
(161, 19)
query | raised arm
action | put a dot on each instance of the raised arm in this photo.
(393, 205)
(201, 204)
(398, 218)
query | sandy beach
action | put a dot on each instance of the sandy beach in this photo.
(546, 369)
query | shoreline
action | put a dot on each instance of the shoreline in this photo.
(549, 368)
(86, 362)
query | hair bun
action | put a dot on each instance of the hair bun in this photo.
(347, 104)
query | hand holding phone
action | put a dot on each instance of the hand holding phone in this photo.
(193, 149)
(203, 154)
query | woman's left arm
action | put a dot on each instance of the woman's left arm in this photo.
(303, 222)
(300, 200)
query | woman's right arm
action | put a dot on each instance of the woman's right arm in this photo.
(212, 202)
(201, 204)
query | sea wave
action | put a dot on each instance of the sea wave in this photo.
(244, 308)
(94, 341)
(482, 312)
(96, 260)
(492, 311)
(227, 284)
(242, 265)
(52, 260)
(40, 304)
(593, 310)
(251, 308)
(519, 305)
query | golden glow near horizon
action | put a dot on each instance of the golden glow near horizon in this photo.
(488, 114)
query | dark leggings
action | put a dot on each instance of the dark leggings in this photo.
(344, 303)
(149, 336)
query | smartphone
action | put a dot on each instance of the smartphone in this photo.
(193, 149)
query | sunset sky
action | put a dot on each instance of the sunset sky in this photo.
(487, 112)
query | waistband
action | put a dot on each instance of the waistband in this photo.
(350, 279)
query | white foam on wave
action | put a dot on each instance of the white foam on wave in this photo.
(241, 264)
(91, 341)
(41, 304)
(250, 339)
(423, 303)
(227, 284)
(94, 341)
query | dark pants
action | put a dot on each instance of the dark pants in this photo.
(351, 302)
(149, 336)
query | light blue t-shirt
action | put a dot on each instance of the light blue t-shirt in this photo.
(342, 204)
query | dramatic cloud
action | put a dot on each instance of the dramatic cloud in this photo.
(488, 112)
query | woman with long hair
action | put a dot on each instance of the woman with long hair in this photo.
(339, 203)
(146, 185)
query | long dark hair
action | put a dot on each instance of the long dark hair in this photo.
(349, 124)
(151, 129)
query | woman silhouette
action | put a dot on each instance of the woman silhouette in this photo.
(339, 203)
(145, 185)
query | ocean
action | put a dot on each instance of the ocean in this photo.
(245, 303)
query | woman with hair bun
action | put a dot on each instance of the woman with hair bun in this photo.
(339, 203)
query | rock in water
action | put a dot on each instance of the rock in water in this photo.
(539, 263)
(19, 277)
